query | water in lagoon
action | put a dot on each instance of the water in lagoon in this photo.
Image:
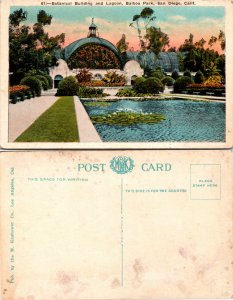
(185, 121)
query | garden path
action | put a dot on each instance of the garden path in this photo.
(87, 131)
(24, 113)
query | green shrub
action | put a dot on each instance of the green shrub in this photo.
(50, 81)
(199, 77)
(157, 74)
(35, 72)
(149, 85)
(139, 84)
(168, 80)
(175, 75)
(68, 86)
(22, 96)
(33, 94)
(34, 83)
(28, 94)
(126, 92)
(14, 98)
(153, 85)
(44, 81)
(187, 73)
(181, 83)
(18, 96)
(87, 92)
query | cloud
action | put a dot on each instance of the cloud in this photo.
(209, 22)
(178, 18)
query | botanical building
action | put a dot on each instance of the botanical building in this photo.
(100, 55)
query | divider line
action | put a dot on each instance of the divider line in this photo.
(122, 234)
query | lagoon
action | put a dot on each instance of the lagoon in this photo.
(185, 121)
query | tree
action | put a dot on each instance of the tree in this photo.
(123, 46)
(43, 18)
(31, 47)
(200, 43)
(150, 37)
(146, 16)
(157, 40)
(172, 49)
(190, 60)
(222, 39)
(212, 41)
(221, 64)
(188, 44)
(198, 57)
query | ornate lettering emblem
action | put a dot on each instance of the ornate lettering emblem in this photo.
(122, 164)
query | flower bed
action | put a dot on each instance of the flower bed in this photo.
(203, 89)
(20, 93)
(202, 85)
(100, 83)
(18, 88)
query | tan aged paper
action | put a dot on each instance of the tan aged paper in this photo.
(116, 225)
(127, 39)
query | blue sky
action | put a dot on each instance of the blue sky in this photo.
(74, 13)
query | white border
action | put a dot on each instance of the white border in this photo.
(4, 69)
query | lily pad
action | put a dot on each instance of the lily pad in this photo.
(123, 118)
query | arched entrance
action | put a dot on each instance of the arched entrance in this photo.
(132, 69)
(57, 79)
(98, 76)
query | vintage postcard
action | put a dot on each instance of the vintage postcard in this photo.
(116, 74)
(116, 225)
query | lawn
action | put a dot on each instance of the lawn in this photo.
(57, 124)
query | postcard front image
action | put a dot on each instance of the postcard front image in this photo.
(125, 74)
